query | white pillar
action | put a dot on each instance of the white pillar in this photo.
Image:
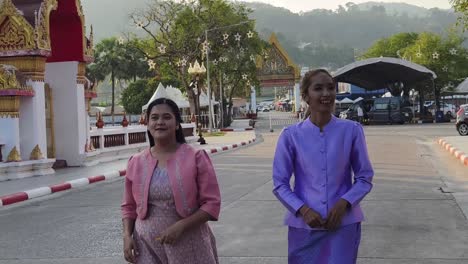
(69, 111)
(32, 121)
(9, 135)
(253, 98)
(297, 97)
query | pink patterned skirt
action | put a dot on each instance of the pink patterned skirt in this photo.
(196, 246)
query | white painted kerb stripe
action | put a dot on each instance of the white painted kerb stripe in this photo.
(79, 182)
(34, 193)
(112, 175)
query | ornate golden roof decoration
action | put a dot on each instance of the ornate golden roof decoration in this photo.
(15, 31)
(275, 44)
(14, 155)
(89, 43)
(11, 78)
(36, 153)
(42, 24)
(17, 34)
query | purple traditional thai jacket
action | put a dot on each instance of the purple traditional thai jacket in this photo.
(322, 164)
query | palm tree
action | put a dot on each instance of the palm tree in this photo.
(109, 60)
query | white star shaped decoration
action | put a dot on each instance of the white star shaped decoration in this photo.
(244, 76)
(206, 44)
(215, 62)
(445, 69)
(121, 40)
(183, 62)
(162, 49)
(435, 55)
(237, 37)
(453, 51)
(178, 63)
(225, 36)
(151, 64)
(250, 34)
(450, 85)
(419, 54)
(252, 57)
(139, 24)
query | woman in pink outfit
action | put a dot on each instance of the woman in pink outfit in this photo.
(171, 192)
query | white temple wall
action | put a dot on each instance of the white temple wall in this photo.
(9, 135)
(32, 121)
(297, 97)
(69, 112)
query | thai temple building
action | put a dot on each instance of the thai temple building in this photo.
(44, 96)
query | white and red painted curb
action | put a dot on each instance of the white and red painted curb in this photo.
(43, 191)
(236, 129)
(460, 155)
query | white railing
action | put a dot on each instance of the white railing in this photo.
(127, 137)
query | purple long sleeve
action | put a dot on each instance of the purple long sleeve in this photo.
(322, 164)
(362, 169)
(282, 172)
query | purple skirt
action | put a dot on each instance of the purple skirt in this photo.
(324, 247)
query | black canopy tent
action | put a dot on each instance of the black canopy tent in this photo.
(377, 73)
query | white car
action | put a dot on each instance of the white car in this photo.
(446, 108)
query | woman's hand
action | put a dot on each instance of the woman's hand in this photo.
(312, 218)
(172, 234)
(130, 251)
(336, 214)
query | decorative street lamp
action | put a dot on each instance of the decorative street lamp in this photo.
(197, 71)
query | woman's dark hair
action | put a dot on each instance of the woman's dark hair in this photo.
(180, 138)
(307, 80)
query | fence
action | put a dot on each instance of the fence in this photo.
(110, 137)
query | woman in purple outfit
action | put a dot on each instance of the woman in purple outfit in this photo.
(323, 153)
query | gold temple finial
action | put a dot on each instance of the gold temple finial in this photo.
(36, 154)
(14, 155)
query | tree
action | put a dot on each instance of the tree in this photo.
(176, 36)
(135, 65)
(445, 56)
(461, 7)
(122, 61)
(108, 59)
(137, 95)
(393, 46)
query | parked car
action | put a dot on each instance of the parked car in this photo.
(390, 110)
(462, 120)
(352, 114)
(448, 109)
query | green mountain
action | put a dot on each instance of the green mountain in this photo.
(319, 37)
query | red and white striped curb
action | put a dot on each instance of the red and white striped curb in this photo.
(43, 191)
(236, 129)
(454, 151)
(228, 147)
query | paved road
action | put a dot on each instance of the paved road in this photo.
(409, 219)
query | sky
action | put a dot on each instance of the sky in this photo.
(306, 5)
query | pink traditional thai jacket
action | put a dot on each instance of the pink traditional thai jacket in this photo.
(192, 178)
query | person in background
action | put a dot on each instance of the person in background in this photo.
(323, 153)
(171, 192)
(360, 114)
